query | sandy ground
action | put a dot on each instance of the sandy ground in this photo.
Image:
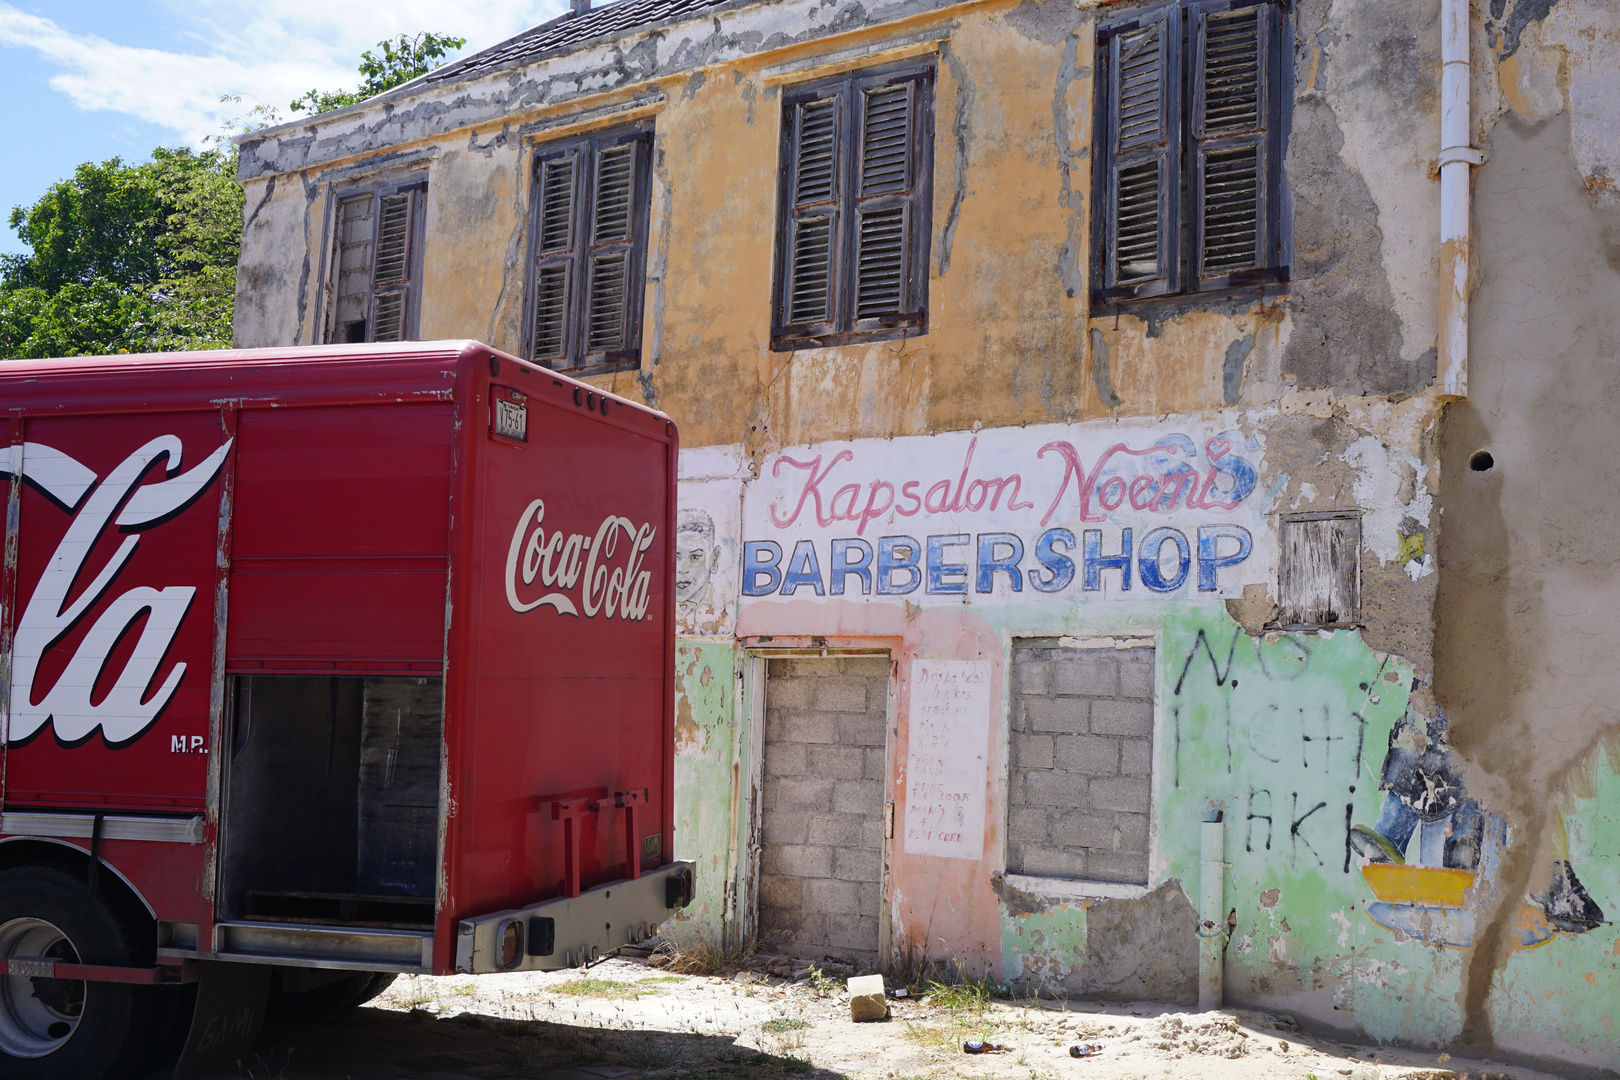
(624, 1019)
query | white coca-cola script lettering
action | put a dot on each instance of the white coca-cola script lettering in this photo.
(50, 613)
(563, 561)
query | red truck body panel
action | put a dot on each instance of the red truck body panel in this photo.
(182, 522)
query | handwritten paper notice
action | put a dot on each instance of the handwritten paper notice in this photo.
(945, 763)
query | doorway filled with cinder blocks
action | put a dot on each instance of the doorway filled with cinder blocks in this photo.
(822, 802)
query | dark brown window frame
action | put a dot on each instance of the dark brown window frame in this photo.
(845, 204)
(415, 186)
(575, 354)
(1183, 148)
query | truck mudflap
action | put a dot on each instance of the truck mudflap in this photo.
(572, 930)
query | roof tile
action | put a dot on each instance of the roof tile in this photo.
(569, 30)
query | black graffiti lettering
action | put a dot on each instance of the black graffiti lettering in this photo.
(1294, 838)
(1259, 752)
(1226, 702)
(1349, 809)
(1220, 673)
(1248, 838)
(1175, 721)
(1325, 739)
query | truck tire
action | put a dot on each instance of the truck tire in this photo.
(328, 999)
(55, 1029)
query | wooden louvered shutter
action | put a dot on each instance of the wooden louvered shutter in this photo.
(1235, 166)
(888, 266)
(614, 264)
(393, 266)
(348, 283)
(1139, 152)
(556, 245)
(813, 182)
(589, 244)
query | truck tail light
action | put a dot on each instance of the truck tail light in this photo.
(510, 935)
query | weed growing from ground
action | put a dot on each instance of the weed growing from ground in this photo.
(701, 956)
(823, 985)
(611, 989)
(784, 1023)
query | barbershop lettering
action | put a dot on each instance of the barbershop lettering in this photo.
(1020, 502)
(959, 563)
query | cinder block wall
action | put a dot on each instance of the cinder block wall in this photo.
(1079, 790)
(822, 873)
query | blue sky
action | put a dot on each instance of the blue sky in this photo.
(85, 80)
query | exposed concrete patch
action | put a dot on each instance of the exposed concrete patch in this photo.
(1124, 950)
(305, 317)
(961, 131)
(1232, 373)
(269, 193)
(1101, 356)
(1381, 57)
(1508, 25)
(1144, 948)
(1072, 265)
(1346, 333)
(512, 270)
(1047, 21)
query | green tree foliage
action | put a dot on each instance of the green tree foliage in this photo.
(401, 60)
(126, 258)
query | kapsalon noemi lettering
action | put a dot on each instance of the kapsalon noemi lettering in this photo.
(1161, 478)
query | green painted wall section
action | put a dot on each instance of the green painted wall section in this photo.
(1043, 948)
(709, 767)
(1286, 734)
(1571, 987)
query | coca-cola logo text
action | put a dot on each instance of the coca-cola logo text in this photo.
(124, 712)
(604, 571)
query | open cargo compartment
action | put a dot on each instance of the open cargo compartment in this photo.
(332, 801)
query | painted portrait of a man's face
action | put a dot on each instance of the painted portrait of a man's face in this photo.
(697, 556)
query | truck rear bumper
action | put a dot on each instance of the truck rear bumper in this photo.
(571, 930)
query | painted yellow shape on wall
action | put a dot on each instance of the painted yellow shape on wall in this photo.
(1433, 885)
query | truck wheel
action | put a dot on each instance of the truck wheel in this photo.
(59, 1028)
(328, 999)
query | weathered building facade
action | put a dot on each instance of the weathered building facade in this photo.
(1086, 437)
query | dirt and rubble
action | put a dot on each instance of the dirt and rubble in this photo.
(776, 1017)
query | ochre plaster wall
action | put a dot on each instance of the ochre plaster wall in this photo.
(1010, 338)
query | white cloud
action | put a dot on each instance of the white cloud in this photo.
(268, 51)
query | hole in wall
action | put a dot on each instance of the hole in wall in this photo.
(1481, 461)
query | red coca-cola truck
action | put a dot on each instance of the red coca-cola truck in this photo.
(319, 666)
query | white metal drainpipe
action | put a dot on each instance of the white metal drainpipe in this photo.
(1457, 157)
(1211, 913)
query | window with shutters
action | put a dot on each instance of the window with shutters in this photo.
(853, 218)
(1188, 194)
(373, 285)
(588, 252)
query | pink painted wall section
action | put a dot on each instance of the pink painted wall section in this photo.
(939, 906)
